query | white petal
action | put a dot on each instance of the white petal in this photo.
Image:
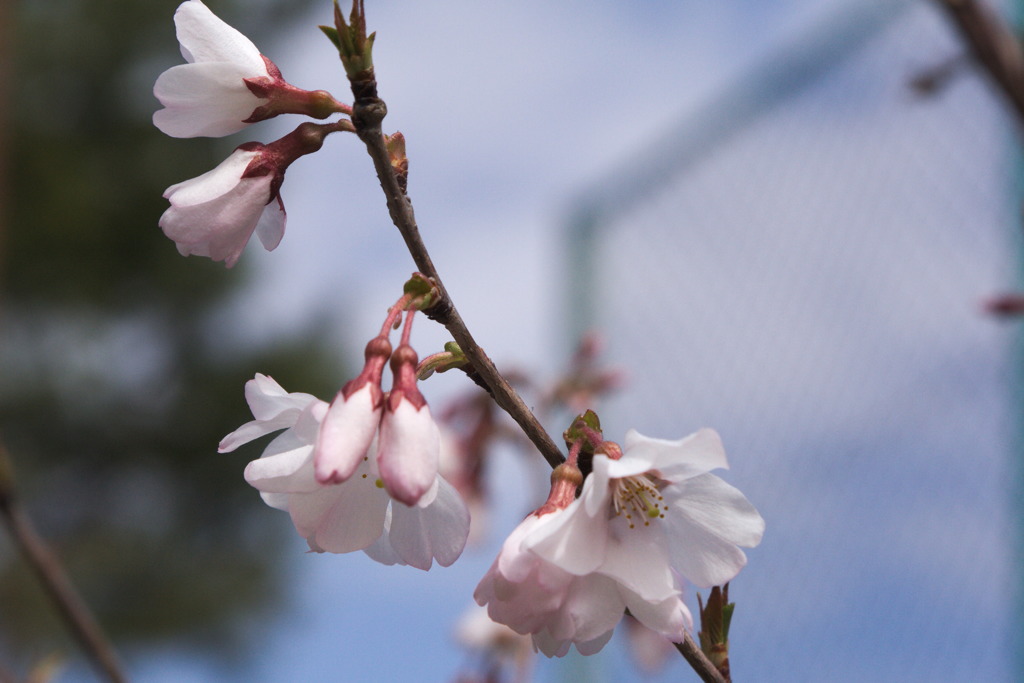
(274, 409)
(206, 38)
(526, 606)
(438, 531)
(209, 99)
(346, 434)
(214, 183)
(355, 520)
(520, 589)
(286, 472)
(670, 617)
(407, 456)
(268, 400)
(591, 609)
(719, 507)
(638, 560)
(381, 550)
(513, 562)
(594, 646)
(704, 524)
(252, 430)
(308, 509)
(276, 500)
(572, 539)
(596, 495)
(695, 454)
(549, 645)
(270, 227)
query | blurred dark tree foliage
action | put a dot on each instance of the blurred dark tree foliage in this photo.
(116, 382)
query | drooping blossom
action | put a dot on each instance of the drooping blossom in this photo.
(357, 514)
(658, 501)
(533, 596)
(215, 214)
(409, 441)
(208, 96)
(569, 571)
(226, 84)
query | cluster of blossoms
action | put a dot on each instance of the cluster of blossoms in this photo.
(361, 473)
(346, 487)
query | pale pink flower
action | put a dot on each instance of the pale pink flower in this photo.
(215, 214)
(209, 95)
(657, 502)
(569, 571)
(357, 514)
(532, 595)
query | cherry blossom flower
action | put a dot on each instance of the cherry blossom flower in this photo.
(409, 445)
(657, 502)
(226, 84)
(569, 571)
(357, 514)
(209, 96)
(215, 214)
(532, 595)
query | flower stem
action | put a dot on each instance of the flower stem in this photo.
(407, 330)
(393, 314)
(368, 112)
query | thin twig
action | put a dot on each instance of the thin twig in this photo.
(993, 45)
(696, 658)
(51, 575)
(368, 112)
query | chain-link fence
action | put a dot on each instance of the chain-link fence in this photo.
(802, 266)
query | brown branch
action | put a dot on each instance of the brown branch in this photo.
(54, 580)
(368, 112)
(993, 45)
(696, 658)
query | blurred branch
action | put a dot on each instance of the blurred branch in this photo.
(993, 45)
(368, 112)
(48, 570)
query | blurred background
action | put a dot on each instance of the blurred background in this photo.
(783, 219)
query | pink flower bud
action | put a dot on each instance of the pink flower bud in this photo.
(351, 423)
(410, 441)
(347, 433)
